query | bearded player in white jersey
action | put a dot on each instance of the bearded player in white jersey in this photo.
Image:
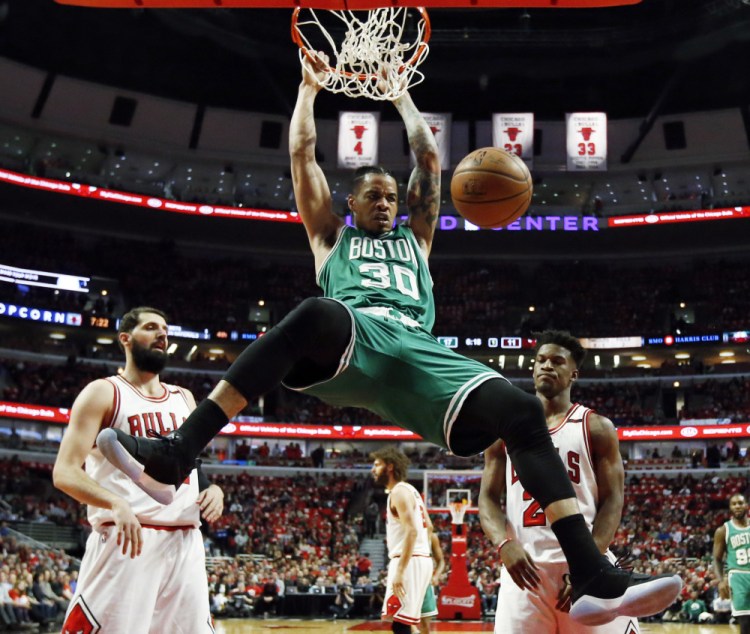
(535, 592)
(407, 536)
(144, 565)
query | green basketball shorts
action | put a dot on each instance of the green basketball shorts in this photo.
(402, 373)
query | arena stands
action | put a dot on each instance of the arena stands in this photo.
(301, 533)
(473, 297)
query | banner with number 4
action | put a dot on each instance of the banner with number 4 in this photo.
(358, 139)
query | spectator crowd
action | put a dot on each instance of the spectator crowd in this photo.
(301, 534)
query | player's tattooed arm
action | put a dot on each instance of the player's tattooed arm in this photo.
(423, 195)
(423, 198)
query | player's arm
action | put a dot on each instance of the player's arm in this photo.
(438, 556)
(90, 409)
(436, 550)
(406, 511)
(719, 555)
(423, 194)
(610, 479)
(518, 562)
(491, 489)
(311, 191)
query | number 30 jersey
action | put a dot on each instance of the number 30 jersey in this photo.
(525, 517)
(388, 271)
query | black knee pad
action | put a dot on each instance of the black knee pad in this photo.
(315, 334)
(523, 421)
(317, 321)
(496, 409)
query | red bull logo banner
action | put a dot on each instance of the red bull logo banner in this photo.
(586, 141)
(515, 134)
(358, 139)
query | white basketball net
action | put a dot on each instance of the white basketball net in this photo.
(372, 60)
(458, 510)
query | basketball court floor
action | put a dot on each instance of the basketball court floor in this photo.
(320, 626)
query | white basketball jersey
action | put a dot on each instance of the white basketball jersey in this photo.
(134, 413)
(394, 530)
(526, 519)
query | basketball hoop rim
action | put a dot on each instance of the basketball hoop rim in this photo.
(421, 48)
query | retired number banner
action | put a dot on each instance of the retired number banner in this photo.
(587, 141)
(515, 133)
(358, 139)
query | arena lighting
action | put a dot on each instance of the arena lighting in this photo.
(682, 355)
(105, 341)
(172, 348)
(726, 353)
(638, 357)
(644, 365)
(59, 336)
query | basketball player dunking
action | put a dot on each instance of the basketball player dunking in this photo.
(534, 593)
(410, 567)
(732, 543)
(144, 567)
(368, 344)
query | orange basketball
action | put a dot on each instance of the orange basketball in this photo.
(491, 187)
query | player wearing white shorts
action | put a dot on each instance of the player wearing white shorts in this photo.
(410, 566)
(144, 566)
(535, 593)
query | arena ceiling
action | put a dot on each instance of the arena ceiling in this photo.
(677, 55)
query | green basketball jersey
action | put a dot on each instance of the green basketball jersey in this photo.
(738, 547)
(387, 271)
